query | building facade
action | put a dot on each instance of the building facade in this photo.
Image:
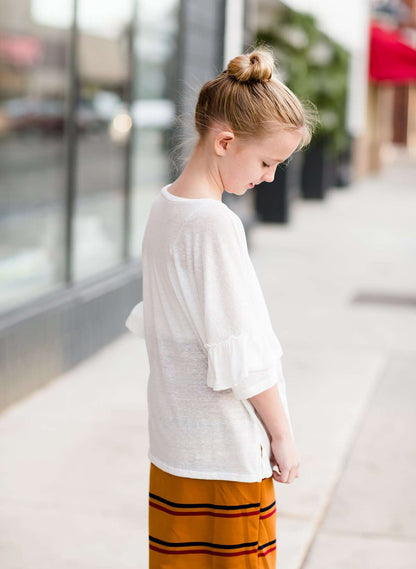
(90, 95)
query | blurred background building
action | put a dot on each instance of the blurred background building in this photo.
(391, 108)
(379, 37)
(90, 94)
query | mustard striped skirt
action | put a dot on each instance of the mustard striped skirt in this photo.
(210, 524)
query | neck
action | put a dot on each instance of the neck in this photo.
(200, 177)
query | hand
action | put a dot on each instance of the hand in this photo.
(285, 456)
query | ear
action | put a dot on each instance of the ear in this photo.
(222, 142)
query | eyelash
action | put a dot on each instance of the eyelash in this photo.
(267, 165)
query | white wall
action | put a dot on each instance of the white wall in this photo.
(347, 22)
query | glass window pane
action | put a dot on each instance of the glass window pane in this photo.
(153, 108)
(103, 125)
(34, 60)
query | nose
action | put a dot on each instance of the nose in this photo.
(269, 175)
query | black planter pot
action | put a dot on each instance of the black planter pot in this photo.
(344, 167)
(318, 172)
(273, 199)
(332, 169)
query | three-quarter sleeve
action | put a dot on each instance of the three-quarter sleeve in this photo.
(226, 303)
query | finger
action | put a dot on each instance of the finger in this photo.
(276, 467)
(283, 477)
(292, 475)
(276, 473)
(278, 478)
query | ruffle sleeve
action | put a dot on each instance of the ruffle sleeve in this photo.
(227, 306)
(135, 320)
(248, 363)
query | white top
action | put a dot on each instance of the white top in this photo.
(209, 341)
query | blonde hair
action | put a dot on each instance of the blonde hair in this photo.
(249, 98)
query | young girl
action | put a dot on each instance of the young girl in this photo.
(218, 414)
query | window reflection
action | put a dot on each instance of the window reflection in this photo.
(103, 122)
(125, 107)
(153, 108)
(33, 98)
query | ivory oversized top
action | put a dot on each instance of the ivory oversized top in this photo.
(209, 341)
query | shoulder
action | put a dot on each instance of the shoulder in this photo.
(211, 226)
(214, 220)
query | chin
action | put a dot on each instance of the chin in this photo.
(237, 191)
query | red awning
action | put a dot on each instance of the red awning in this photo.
(391, 57)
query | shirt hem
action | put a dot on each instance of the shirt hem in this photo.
(206, 475)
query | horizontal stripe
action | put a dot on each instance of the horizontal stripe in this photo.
(268, 507)
(267, 544)
(204, 551)
(268, 515)
(203, 512)
(205, 543)
(264, 553)
(214, 506)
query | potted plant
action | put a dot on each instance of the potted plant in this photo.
(315, 68)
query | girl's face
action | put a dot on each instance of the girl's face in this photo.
(243, 165)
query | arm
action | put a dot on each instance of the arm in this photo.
(226, 303)
(269, 406)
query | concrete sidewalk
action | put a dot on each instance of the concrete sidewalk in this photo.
(73, 463)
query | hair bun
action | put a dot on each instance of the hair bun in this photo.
(255, 66)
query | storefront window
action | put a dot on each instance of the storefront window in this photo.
(153, 108)
(124, 86)
(34, 60)
(103, 125)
